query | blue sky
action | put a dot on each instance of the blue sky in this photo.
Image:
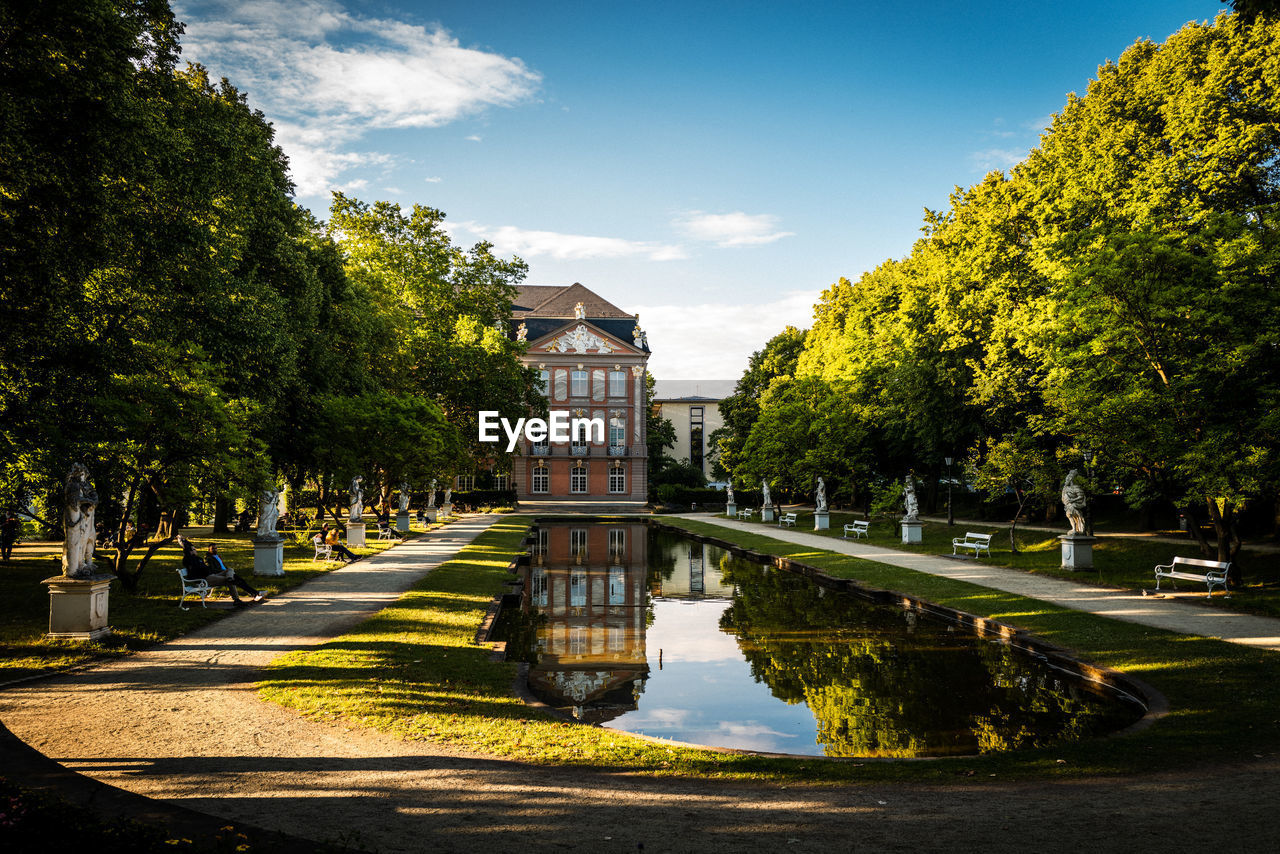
(712, 166)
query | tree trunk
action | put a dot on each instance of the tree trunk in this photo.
(1224, 526)
(1193, 528)
(221, 514)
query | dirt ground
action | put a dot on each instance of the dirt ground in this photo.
(183, 723)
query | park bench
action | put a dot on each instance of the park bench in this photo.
(745, 513)
(1210, 572)
(787, 520)
(385, 532)
(977, 542)
(193, 587)
(858, 529)
(323, 550)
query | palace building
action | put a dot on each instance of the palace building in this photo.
(592, 357)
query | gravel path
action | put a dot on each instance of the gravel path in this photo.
(183, 723)
(1168, 612)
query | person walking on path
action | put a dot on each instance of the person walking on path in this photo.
(9, 532)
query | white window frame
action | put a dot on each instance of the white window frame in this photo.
(578, 475)
(541, 481)
(576, 388)
(617, 384)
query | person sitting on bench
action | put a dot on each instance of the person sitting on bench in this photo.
(214, 562)
(334, 540)
(196, 568)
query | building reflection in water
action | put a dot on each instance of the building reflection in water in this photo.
(590, 587)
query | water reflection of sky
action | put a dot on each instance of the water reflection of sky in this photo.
(704, 693)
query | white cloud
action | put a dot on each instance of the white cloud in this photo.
(434, 179)
(325, 75)
(996, 158)
(475, 138)
(529, 243)
(712, 341)
(731, 229)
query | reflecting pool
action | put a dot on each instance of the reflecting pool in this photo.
(649, 632)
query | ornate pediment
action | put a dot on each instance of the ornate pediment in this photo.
(580, 339)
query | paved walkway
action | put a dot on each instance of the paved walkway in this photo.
(1163, 613)
(183, 723)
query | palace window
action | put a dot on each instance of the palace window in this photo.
(617, 384)
(544, 383)
(695, 436)
(578, 478)
(617, 544)
(502, 481)
(578, 543)
(617, 477)
(541, 482)
(465, 482)
(617, 432)
(578, 384)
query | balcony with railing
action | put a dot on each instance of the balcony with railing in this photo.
(540, 450)
(579, 450)
(617, 450)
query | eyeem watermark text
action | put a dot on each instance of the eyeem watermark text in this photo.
(559, 429)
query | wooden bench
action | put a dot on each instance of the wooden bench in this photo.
(193, 587)
(1210, 572)
(858, 529)
(977, 542)
(745, 513)
(787, 520)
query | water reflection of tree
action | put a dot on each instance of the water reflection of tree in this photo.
(880, 682)
(664, 551)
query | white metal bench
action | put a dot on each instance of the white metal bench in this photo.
(745, 513)
(858, 529)
(1213, 572)
(323, 550)
(977, 542)
(385, 532)
(787, 520)
(193, 587)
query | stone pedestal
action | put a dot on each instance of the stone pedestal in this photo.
(446, 510)
(766, 514)
(731, 510)
(78, 606)
(821, 521)
(1077, 551)
(355, 535)
(912, 531)
(402, 522)
(432, 514)
(268, 555)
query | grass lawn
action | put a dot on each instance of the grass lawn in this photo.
(413, 670)
(1123, 562)
(149, 616)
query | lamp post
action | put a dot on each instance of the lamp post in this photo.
(951, 516)
(1088, 507)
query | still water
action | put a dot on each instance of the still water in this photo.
(649, 632)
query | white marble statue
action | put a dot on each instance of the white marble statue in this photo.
(910, 501)
(822, 496)
(579, 312)
(448, 495)
(1074, 500)
(522, 332)
(729, 489)
(404, 496)
(764, 489)
(268, 512)
(357, 500)
(81, 500)
(431, 494)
